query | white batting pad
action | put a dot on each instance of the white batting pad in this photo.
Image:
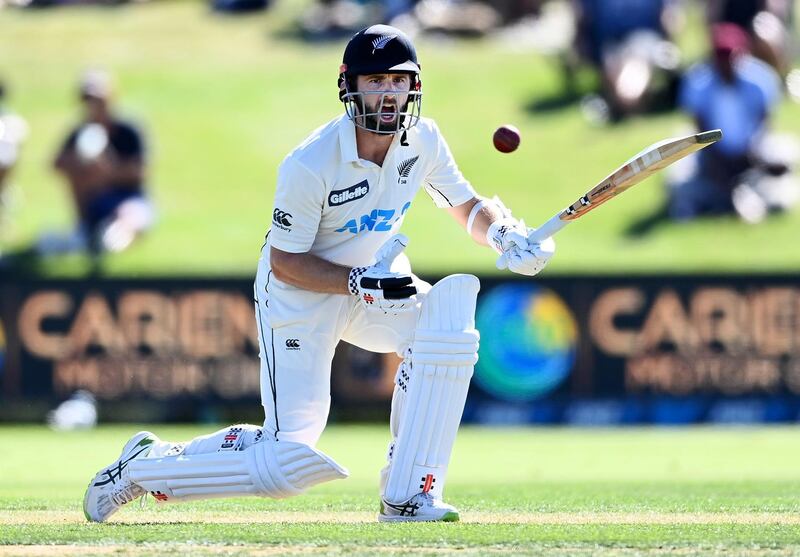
(276, 469)
(435, 378)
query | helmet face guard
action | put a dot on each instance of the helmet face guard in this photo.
(370, 118)
(380, 49)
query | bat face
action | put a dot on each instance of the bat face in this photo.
(639, 167)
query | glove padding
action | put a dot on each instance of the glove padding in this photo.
(380, 289)
(509, 237)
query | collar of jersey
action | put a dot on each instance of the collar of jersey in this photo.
(347, 141)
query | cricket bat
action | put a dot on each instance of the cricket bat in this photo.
(642, 165)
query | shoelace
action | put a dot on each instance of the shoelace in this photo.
(427, 499)
(124, 495)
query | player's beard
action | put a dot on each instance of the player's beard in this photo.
(374, 123)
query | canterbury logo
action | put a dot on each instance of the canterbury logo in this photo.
(293, 344)
(281, 218)
(404, 168)
(381, 42)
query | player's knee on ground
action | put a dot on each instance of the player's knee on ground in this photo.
(267, 468)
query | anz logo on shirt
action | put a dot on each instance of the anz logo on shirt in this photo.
(378, 220)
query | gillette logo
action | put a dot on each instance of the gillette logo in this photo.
(340, 197)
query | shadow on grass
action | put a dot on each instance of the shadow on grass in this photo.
(27, 262)
(648, 224)
(554, 103)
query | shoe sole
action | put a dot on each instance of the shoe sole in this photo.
(447, 517)
(132, 442)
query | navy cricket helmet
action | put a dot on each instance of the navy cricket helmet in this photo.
(380, 49)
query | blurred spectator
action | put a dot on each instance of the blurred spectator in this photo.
(546, 27)
(748, 171)
(514, 10)
(13, 131)
(340, 18)
(333, 18)
(630, 44)
(239, 6)
(767, 23)
(77, 412)
(54, 3)
(103, 162)
(462, 17)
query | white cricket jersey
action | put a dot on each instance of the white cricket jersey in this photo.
(333, 204)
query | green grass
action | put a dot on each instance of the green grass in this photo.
(693, 491)
(224, 99)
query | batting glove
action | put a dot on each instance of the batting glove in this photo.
(381, 290)
(509, 237)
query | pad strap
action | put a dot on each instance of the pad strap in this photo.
(458, 348)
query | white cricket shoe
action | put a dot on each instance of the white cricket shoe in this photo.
(111, 487)
(423, 507)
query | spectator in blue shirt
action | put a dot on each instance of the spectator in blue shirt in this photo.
(733, 92)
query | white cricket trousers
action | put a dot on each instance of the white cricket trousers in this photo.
(298, 331)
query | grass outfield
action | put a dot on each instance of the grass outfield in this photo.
(226, 98)
(521, 491)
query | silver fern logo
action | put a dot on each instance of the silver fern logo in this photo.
(381, 42)
(404, 169)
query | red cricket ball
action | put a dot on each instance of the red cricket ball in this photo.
(506, 138)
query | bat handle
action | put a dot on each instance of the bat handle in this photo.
(389, 253)
(547, 229)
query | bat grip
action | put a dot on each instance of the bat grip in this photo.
(547, 229)
(396, 248)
